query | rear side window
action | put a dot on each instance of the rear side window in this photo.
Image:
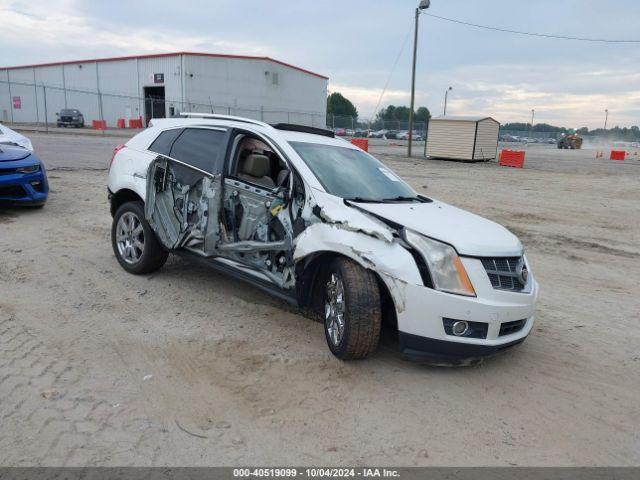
(164, 142)
(201, 148)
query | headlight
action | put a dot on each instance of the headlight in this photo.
(447, 272)
(29, 169)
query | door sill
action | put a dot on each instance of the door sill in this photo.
(224, 266)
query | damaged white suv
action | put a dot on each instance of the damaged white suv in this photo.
(324, 225)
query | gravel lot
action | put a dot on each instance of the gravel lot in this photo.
(187, 367)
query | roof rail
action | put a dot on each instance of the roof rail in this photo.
(304, 129)
(215, 116)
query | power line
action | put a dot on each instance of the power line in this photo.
(531, 34)
(393, 69)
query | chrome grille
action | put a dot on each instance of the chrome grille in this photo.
(502, 273)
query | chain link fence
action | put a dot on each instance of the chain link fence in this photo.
(30, 103)
(375, 128)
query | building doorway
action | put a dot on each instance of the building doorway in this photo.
(154, 103)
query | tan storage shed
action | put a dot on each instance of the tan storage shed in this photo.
(463, 138)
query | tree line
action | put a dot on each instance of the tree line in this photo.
(340, 106)
(624, 133)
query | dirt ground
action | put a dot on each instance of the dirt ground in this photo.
(188, 367)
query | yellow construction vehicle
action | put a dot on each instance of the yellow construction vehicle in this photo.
(572, 141)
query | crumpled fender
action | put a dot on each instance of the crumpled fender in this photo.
(392, 262)
(388, 258)
(364, 239)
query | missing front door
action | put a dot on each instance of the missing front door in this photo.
(154, 103)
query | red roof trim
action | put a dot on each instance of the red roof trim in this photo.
(159, 55)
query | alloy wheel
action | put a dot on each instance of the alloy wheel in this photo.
(334, 309)
(130, 238)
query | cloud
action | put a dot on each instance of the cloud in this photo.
(492, 73)
(60, 30)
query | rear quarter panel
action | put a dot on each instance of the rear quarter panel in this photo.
(129, 171)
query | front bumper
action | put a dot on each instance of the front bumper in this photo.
(441, 352)
(421, 314)
(28, 189)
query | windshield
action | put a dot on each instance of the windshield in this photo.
(352, 174)
(69, 112)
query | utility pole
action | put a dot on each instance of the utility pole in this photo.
(606, 118)
(533, 114)
(424, 4)
(446, 96)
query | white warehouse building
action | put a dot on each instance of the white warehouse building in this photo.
(163, 85)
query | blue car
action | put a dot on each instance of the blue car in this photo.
(23, 180)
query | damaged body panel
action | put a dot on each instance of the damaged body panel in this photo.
(320, 223)
(181, 200)
(256, 231)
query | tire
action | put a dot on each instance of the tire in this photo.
(361, 310)
(140, 252)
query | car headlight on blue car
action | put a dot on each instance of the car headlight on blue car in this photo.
(29, 169)
(446, 269)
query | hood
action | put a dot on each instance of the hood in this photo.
(11, 153)
(9, 136)
(468, 233)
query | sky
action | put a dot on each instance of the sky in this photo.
(356, 43)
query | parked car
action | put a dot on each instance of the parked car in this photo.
(23, 180)
(378, 134)
(405, 136)
(70, 117)
(340, 132)
(391, 134)
(9, 137)
(320, 223)
(349, 133)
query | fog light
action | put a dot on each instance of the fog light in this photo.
(460, 328)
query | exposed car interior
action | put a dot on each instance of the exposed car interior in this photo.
(256, 163)
(245, 217)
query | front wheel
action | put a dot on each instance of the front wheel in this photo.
(353, 315)
(134, 243)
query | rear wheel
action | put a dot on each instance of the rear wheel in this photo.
(353, 317)
(134, 243)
